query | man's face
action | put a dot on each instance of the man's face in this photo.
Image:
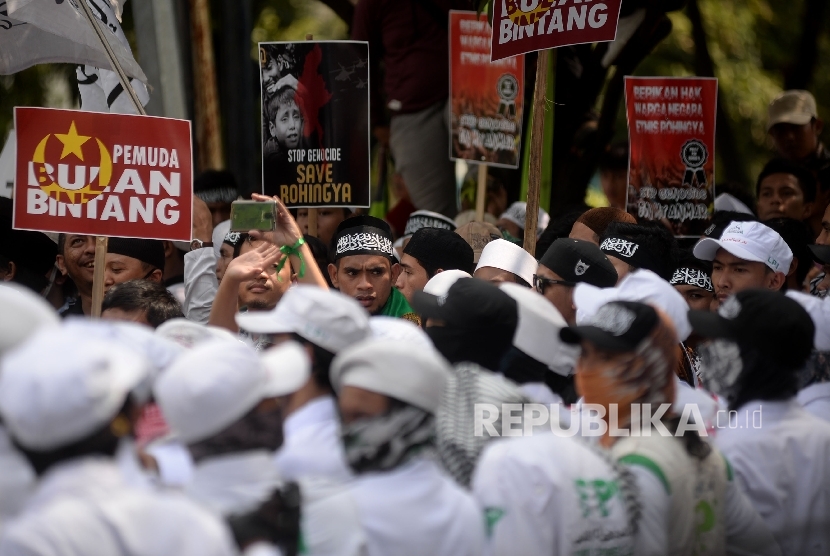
(121, 268)
(263, 292)
(697, 298)
(367, 278)
(560, 295)
(796, 142)
(583, 232)
(780, 195)
(287, 125)
(115, 313)
(495, 275)
(356, 403)
(77, 261)
(824, 237)
(412, 278)
(327, 221)
(219, 212)
(731, 275)
(224, 259)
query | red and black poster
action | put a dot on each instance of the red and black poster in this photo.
(315, 122)
(521, 26)
(486, 98)
(671, 130)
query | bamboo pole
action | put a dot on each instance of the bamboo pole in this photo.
(206, 104)
(536, 141)
(481, 192)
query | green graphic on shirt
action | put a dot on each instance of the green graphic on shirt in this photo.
(598, 490)
(492, 515)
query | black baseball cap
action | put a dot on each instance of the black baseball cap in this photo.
(576, 260)
(470, 304)
(618, 326)
(763, 320)
(821, 253)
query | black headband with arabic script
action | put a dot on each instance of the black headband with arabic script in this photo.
(363, 235)
(629, 251)
(691, 276)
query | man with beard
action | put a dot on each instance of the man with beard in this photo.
(388, 393)
(76, 259)
(365, 268)
(226, 404)
(778, 451)
(747, 255)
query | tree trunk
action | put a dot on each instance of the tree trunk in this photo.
(799, 74)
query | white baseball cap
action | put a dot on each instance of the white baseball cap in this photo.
(188, 333)
(641, 285)
(63, 385)
(537, 334)
(441, 283)
(393, 328)
(819, 310)
(509, 257)
(326, 318)
(750, 241)
(218, 235)
(215, 384)
(395, 369)
(22, 313)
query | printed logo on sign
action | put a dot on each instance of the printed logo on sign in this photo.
(508, 87)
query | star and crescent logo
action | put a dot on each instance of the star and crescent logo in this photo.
(77, 180)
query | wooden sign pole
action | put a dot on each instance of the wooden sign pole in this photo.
(536, 142)
(98, 274)
(481, 192)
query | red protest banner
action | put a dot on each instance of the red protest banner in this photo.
(486, 98)
(671, 131)
(103, 174)
(521, 26)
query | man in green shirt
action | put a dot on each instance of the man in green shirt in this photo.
(365, 267)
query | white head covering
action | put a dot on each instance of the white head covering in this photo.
(393, 328)
(750, 241)
(507, 256)
(219, 235)
(188, 333)
(725, 201)
(517, 213)
(326, 318)
(214, 385)
(641, 285)
(537, 334)
(63, 385)
(395, 369)
(22, 313)
(819, 310)
(441, 283)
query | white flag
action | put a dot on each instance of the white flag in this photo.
(41, 31)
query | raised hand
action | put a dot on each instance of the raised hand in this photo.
(253, 263)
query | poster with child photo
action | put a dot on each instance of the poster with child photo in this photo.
(315, 122)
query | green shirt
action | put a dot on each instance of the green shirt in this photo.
(398, 306)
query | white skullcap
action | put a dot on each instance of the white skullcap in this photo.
(326, 318)
(62, 386)
(728, 202)
(507, 256)
(537, 334)
(188, 333)
(218, 235)
(393, 328)
(441, 283)
(215, 384)
(517, 213)
(395, 369)
(22, 313)
(641, 285)
(819, 310)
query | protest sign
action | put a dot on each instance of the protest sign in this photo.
(315, 122)
(486, 98)
(671, 131)
(521, 26)
(103, 174)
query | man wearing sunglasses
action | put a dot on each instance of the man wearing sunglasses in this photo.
(566, 263)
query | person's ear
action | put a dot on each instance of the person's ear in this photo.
(272, 129)
(333, 275)
(808, 210)
(10, 271)
(155, 276)
(776, 280)
(61, 262)
(793, 266)
(818, 125)
(168, 248)
(396, 271)
(439, 271)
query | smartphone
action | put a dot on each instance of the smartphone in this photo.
(253, 215)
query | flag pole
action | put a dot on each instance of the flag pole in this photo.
(101, 242)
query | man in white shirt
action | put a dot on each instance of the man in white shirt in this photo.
(387, 393)
(66, 413)
(324, 322)
(225, 403)
(780, 453)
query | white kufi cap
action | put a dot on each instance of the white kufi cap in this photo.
(507, 256)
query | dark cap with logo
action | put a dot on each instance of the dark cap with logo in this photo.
(576, 260)
(470, 304)
(763, 320)
(618, 326)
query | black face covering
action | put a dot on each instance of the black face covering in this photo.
(257, 430)
(485, 348)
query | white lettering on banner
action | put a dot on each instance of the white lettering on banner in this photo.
(578, 17)
(136, 155)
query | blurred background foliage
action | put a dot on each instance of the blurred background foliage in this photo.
(753, 44)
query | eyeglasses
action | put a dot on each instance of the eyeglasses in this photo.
(541, 284)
